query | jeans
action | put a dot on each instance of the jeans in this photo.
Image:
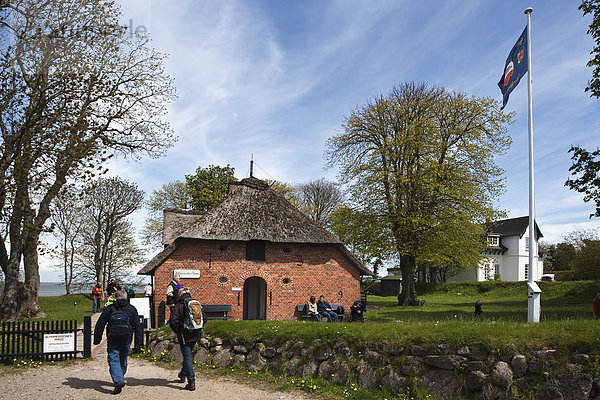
(96, 305)
(316, 316)
(117, 353)
(187, 369)
(332, 316)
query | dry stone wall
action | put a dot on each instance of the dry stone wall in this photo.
(462, 373)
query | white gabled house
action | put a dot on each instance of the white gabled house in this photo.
(506, 256)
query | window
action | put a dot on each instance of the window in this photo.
(486, 272)
(493, 241)
(223, 279)
(286, 281)
(255, 250)
(497, 269)
(526, 272)
(527, 243)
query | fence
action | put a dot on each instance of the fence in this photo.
(45, 340)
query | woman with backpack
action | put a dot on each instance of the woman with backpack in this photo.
(186, 321)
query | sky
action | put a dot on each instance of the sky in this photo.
(273, 80)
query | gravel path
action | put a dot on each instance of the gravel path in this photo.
(144, 380)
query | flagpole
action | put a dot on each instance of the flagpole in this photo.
(533, 304)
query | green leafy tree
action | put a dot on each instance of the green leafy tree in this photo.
(586, 264)
(200, 191)
(593, 7)
(208, 186)
(422, 159)
(170, 195)
(586, 167)
(564, 256)
(363, 234)
(76, 89)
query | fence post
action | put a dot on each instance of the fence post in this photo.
(87, 336)
(162, 312)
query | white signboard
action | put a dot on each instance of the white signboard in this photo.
(142, 304)
(187, 273)
(236, 289)
(59, 342)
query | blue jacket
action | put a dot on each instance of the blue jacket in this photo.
(322, 306)
(131, 312)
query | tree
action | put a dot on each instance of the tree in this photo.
(121, 254)
(208, 186)
(586, 263)
(68, 223)
(564, 256)
(422, 159)
(201, 191)
(363, 234)
(108, 203)
(593, 7)
(75, 90)
(319, 198)
(588, 165)
(170, 195)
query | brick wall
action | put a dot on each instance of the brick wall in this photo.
(311, 270)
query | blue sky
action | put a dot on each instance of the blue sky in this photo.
(275, 79)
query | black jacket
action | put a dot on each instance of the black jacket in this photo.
(134, 320)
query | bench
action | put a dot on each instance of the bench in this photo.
(216, 311)
(301, 309)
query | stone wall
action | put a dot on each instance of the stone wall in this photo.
(462, 373)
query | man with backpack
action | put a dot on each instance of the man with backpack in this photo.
(121, 320)
(186, 321)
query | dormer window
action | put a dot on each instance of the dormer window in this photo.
(493, 241)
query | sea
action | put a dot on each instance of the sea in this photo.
(58, 289)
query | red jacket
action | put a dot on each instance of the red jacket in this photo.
(97, 292)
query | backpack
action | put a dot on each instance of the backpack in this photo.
(192, 320)
(119, 326)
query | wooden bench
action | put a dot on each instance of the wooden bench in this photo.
(301, 309)
(216, 311)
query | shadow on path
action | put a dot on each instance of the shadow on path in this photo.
(103, 386)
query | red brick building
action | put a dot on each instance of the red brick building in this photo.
(257, 252)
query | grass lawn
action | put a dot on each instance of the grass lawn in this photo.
(567, 321)
(63, 307)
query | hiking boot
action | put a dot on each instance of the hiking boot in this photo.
(181, 377)
(191, 385)
(118, 388)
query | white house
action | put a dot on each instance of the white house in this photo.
(506, 256)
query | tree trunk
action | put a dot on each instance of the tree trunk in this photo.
(408, 296)
(9, 309)
(29, 304)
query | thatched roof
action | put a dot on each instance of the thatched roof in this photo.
(176, 222)
(251, 211)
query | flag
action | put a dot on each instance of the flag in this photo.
(515, 67)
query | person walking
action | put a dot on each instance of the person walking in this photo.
(478, 310)
(96, 297)
(121, 321)
(324, 308)
(172, 290)
(596, 306)
(180, 321)
(149, 290)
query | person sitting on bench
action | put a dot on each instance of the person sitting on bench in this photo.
(311, 308)
(324, 308)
